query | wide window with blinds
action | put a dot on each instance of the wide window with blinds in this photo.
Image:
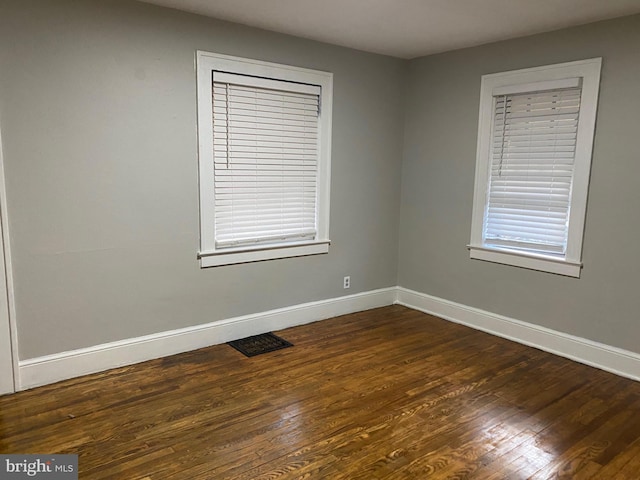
(532, 169)
(264, 136)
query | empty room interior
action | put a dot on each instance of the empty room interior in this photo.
(433, 204)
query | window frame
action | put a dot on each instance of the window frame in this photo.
(526, 80)
(209, 255)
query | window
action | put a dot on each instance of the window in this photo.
(535, 139)
(264, 141)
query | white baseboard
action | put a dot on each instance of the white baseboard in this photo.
(61, 366)
(605, 357)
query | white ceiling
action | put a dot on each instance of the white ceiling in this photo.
(408, 28)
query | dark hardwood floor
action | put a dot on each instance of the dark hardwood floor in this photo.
(389, 394)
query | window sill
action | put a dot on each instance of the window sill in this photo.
(234, 256)
(541, 263)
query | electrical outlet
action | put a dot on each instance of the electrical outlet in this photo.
(347, 282)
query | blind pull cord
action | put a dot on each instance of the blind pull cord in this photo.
(227, 117)
(504, 130)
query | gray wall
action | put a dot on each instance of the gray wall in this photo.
(438, 176)
(97, 111)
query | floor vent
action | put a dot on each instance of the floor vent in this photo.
(257, 344)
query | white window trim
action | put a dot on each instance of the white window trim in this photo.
(209, 255)
(525, 80)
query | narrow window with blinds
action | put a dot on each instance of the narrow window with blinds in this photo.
(532, 160)
(265, 161)
(535, 139)
(264, 133)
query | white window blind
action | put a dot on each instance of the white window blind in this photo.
(265, 160)
(533, 149)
